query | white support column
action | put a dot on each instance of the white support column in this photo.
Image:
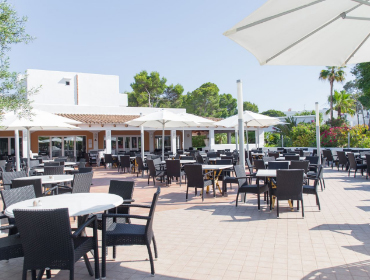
(173, 141)
(318, 131)
(229, 138)
(108, 141)
(50, 148)
(236, 138)
(151, 141)
(261, 138)
(241, 123)
(74, 147)
(142, 141)
(9, 146)
(62, 146)
(211, 137)
(96, 141)
(16, 149)
(24, 142)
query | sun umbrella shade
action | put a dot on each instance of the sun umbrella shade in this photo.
(250, 120)
(162, 117)
(40, 120)
(306, 32)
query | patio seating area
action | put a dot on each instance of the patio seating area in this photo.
(216, 240)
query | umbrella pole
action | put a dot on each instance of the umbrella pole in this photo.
(142, 141)
(16, 149)
(28, 150)
(236, 139)
(163, 142)
(246, 131)
(318, 131)
(240, 123)
(183, 139)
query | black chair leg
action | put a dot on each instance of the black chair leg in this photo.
(187, 192)
(302, 208)
(237, 198)
(41, 273)
(277, 207)
(258, 199)
(71, 274)
(155, 248)
(297, 204)
(318, 201)
(114, 252)
(48, 273)
(151, 259)
(88, 265)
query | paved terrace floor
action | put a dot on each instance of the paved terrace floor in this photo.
(216, 240)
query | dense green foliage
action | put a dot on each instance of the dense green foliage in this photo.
(343, 103)
(249, 106)
(12, 89)
(273, 113)
(227, 105)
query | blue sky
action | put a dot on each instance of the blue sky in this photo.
(182, 40)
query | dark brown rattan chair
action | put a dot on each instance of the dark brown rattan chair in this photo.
(196, 179)
(273, 154)
(354, 165)
(118, 234)
(173, 168)
(36, 183)
(342, 159)
(245, 188)
(54, 170)
(141, 166)
(289, 186)
(13, 196)
(124, 163)
(85, 170)
(307, 189)
(278, 165)
(108, 159)
(9, 176)
(56, 163)
(48, 241)
(300, 164)
(329, 157)
(154, 172)
(259, 164)
(292, 157)
(10, 246)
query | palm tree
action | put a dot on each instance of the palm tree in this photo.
(332, 74)
(343, 103)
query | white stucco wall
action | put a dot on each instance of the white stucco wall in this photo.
(83, 90)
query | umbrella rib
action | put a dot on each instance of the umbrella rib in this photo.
(342, 15)
(272, 17)
(355, 51)
(362, 2)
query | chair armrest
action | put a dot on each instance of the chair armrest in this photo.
(136, 205)
(54, 188)
(82, 227)
(126, 201)
(2, 216)
(111, 215)
(7, 227)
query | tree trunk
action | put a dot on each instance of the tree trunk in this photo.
(339, 113)
(331, 99)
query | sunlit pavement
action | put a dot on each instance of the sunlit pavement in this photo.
(216, 240)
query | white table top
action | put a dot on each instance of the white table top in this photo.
(45, 179)
(66, 163)
(41, 169)
(184, 161)
(78, 204)
(257, 154)
(216, 167)
(283, 158)
(267, 162)
(214, 159)
(266, 173)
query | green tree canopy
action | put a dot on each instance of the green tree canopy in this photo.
(151, 90)
(361, 85)
(343, 103)
(332, 74)
(227, 105)
(273, 113)
(12, 89)
(249, 106)
(204, 101)
(147, 89)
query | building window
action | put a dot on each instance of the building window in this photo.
(67, 83)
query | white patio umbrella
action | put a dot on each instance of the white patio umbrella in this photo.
(250, 119)
(307, 32)
(39, 120)
(162, 119)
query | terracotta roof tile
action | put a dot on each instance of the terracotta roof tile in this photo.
(100, 119)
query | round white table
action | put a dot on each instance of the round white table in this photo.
(78, 204)
(66, 163)
(41, 169)
(45, 179)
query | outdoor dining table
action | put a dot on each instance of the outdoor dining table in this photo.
(41, 169)
(215, 168)
(267, 162)
(79, 204)
(66, 163)
(183, 161)
(50, 179)
(283, 158)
